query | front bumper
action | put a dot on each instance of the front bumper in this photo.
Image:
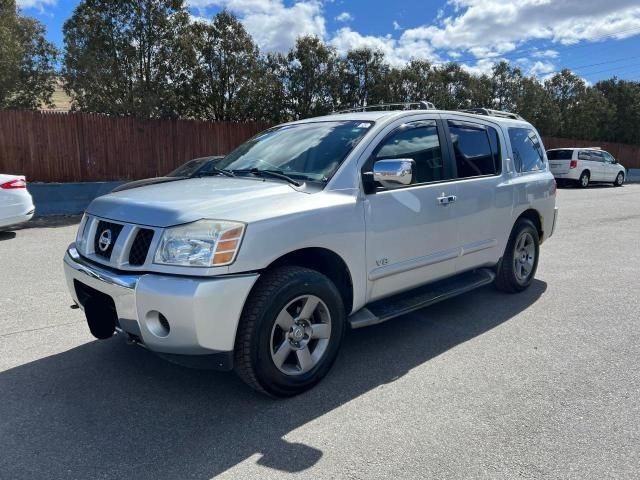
(202, 312)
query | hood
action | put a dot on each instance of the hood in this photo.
(184, 201)
(144, 182)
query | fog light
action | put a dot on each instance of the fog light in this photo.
(158, 324)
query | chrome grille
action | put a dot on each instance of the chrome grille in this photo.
(106, 237)
(131, 246)
(140, 247)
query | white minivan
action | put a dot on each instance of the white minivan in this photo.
(583, 166)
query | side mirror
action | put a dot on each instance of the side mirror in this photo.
(394, 173)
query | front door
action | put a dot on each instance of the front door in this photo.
(411, 231)
(611, 167)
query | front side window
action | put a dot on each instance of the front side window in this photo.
(608, 157)
(306, 151)
(476, 148)
(528, 155)
(420, 143)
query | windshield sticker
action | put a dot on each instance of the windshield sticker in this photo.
(364, 125)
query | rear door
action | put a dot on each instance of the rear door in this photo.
(560, 161)
(477, 162)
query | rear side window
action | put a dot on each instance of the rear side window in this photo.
(559, 154)
(584, 156)
(528, 155)
(476, 148)
(597, 157)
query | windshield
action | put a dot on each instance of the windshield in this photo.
(308, 151)
(559, 154)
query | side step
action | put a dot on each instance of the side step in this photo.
(388, 308)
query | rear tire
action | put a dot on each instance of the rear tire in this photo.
(290, 331)
(583, 182)
(519, 263)
(619, 180)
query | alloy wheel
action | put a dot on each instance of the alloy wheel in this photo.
(300, 335)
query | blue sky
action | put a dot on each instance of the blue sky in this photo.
(595, 38)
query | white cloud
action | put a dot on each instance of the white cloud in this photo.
(344, 17)
(397, 51)
(495, 27)
(36, 4)
(476, 32)
(274, 26)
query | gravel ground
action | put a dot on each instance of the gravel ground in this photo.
(544, 384)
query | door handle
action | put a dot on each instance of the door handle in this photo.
(446, 199)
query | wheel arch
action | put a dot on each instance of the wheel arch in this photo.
(587, 171)
(326, 262)
(534, 217)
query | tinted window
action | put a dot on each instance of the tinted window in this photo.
(584, 156)
(597, 157)
(559, 154)
(476, 149)
(527, 150)
(420, 143)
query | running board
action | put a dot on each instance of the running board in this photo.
(388, 308)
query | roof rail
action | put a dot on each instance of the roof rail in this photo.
(422, 105)
(492, 113)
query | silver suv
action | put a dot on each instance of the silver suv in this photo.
(310, 228)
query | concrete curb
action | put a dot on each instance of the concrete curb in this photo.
(66, 198)
(633, 175)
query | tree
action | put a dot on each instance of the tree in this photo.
(506, 82)
(311, 68)
(126, 57)
(362, 77)
(27, 73)
(224, 77)
(624, 97)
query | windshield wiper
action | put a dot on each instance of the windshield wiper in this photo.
(216, 171)
(269, 173)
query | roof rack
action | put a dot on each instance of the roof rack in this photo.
(492, 113)
(422, 105)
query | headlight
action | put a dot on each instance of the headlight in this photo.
(81, 236)
(205, 243)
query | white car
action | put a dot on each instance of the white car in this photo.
(16, 204)
(582, 166)
(310, 228)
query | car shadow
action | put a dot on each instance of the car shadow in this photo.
(108, 410)
(7, 235)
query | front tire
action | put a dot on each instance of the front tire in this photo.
(290, 331)
(619, 180)
(519, 263)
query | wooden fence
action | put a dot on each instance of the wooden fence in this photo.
(81, 147)
(627, 155)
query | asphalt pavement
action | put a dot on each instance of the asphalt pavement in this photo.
(544, 384)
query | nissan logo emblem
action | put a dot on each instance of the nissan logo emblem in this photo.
(105, 240)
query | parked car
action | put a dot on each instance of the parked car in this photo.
(16, 204)
(197, 167)
(583, 166)
(311, 227)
